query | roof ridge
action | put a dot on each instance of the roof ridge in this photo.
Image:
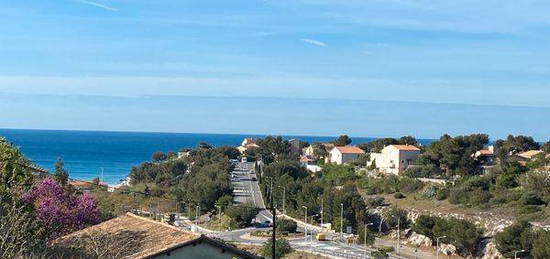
(159, 223)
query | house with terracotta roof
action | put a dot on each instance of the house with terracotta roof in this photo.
(247, 144)
(485, 156)
(342, 155)
(394, 159)
(132, 236)
(530, 154)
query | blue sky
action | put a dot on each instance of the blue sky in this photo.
(492, 53)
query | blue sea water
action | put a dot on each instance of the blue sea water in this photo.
(86, 153)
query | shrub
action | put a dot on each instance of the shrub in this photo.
(392, 215)
(424, 225)
(516, 237)
(282, 248)
(528, 209)
(362, 234)
(541, 249)
(442, 194)
(375, 202)
(286, 225)
(409, 185)
(398, 195)
(530, 198)
(461, 233)
(61, 212)
(243, 216)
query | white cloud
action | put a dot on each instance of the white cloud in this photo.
(102, 6)
(314, 42)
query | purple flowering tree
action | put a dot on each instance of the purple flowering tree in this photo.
(61, 212)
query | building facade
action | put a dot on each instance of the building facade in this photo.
(394, 159)
(342, 155)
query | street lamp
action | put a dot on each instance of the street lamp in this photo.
(197, 211)
(341, 221)
(305, 224)
(516, 253)
(398, 233)
(284, 194)
(437, 248)
(365, 234)
(219, 217)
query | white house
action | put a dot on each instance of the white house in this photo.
(394, 158)
(247, 144)
(342, 155)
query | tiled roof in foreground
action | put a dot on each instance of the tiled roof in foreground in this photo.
(150, 238)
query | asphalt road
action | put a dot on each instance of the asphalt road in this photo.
(247, 190)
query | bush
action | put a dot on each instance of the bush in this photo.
(528, 209)
(243, 216)
(442, 194)
(461, 233)
(282, 248)
(375, 202)
(409, 185)
(392, 215)
(424, 225)
(362, 234)
(398, 195)
(530, 198)
(541, 249)
(286, 225)
(516, 237)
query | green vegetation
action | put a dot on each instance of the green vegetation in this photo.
(378, 144)
(282, 248)
(341, 141)
(460, 233)
(286, 226)
(521, 236)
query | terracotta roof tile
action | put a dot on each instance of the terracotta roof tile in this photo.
(152, 236)
(406, 147)
(350, 150)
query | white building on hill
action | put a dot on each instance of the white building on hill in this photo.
(394, 158)
(342, 155)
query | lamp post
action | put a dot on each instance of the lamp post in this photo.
(305, 224)
(284, 194)
(365, 234)
(398, 233)
(197, 209)
(341, 221)
(437, 248)
(516, 253)
(322, 210)
(219, 217)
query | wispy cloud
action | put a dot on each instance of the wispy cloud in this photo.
(314, 42)
(102, 6)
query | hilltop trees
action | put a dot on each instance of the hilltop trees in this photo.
(513, 145)
(341, 141)
(455, 155)
(378, 144)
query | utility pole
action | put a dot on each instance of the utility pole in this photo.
(322, 210)
(274, 213)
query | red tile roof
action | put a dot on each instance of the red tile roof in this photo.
(350, 150)
(485, 152)
(530, 154)
(406, 147)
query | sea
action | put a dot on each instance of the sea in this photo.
(111, 155)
